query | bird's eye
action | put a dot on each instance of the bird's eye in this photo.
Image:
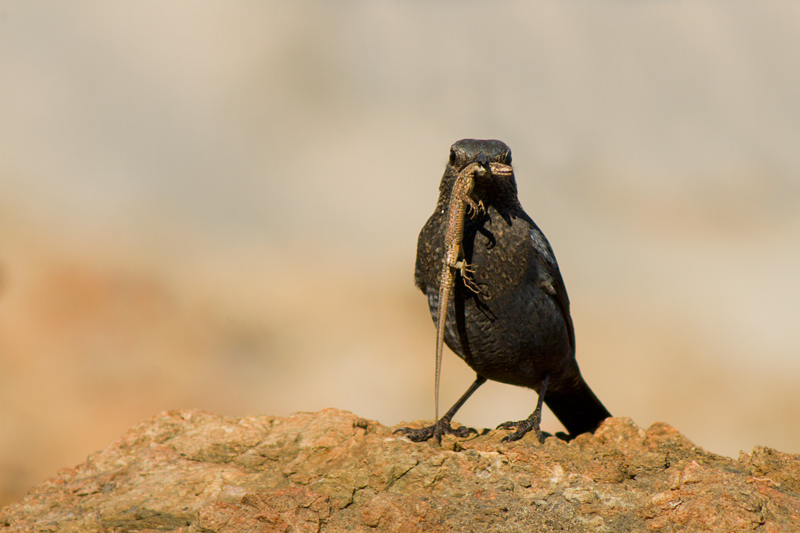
(508, 158)
(452, 157)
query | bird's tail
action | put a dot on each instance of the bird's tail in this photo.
(577, 408)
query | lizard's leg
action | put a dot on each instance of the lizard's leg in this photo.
(467, 271)
(475, 208)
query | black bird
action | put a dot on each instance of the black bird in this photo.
(511, 321)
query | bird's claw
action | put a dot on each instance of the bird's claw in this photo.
(522, 427)
(442, 427)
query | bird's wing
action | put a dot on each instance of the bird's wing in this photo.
(552, 282)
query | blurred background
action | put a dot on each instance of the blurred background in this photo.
(215, 205)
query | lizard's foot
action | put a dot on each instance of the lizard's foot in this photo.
(470, 284)
(467, 271)
(522, 427)
(442, 427)
(475, 208)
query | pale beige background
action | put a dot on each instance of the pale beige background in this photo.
(215, 205)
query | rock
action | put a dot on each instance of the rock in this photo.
(191, 471)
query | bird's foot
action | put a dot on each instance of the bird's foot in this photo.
(522, 427)
(442, 427)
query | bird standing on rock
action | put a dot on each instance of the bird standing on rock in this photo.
(507, 311)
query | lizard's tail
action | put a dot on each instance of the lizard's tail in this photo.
(441, 320)
(577, 408)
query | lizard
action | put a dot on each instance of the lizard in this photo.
(460, 202)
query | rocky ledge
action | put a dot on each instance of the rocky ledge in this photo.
(191, 471)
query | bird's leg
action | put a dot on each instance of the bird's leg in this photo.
(442, 426)
(530, 423)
